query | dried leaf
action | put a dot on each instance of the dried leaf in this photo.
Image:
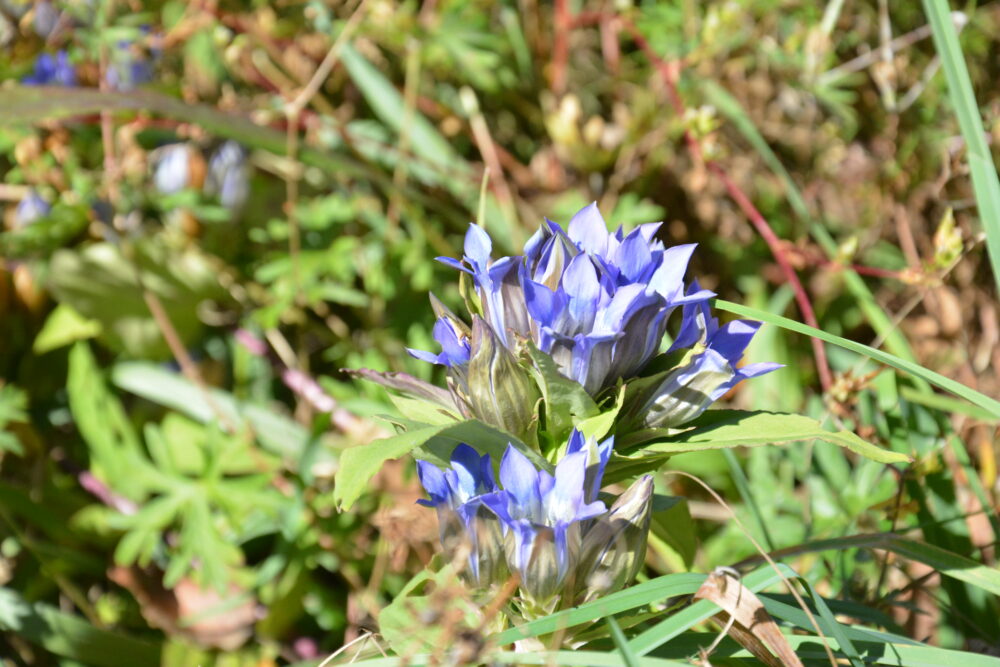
(754, 628)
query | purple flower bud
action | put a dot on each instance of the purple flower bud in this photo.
(29, 209)
(229, 176)
(172, 168)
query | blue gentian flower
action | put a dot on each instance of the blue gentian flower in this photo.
(710, 372)
(30, 208)
(543, 514)
(465, 524)
(561, 541)
(599, 304)
(52, 71)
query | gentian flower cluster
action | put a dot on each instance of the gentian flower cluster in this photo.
(582, 318)
(550, 530)
(599, 304)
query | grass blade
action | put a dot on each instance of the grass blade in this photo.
(936, 379)
(985, 184)
(629, 658)
(630, 598)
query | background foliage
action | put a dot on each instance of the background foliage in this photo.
(172, 404)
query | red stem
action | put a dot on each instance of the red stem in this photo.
(670, 72)
(560, 46)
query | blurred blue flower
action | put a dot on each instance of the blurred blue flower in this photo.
(29, 209)
(172, 167)
(52, 71)
(129, 67)
(229, 176)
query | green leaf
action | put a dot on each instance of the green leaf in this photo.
(720, 429)
(101, 284)
(423, 410)
(70, 637)
(600, 425)
(629, 658)
(398, 619)
(13, 408)
(115, 451)
(275, 432)
(630, 598)
(957, 388)
(567, 403)
(62, 327)
(359, 464)
(672, 523)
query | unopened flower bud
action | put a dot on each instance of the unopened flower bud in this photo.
(614, 546)
(500, 391)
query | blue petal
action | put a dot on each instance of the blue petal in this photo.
(732, 339)
(499, 503)
(454, 350)
(576, 442)
(534, 245)
(754, 370)
(466, 464)
(649, 230)
(433, 481)
(634, 257)
(584, 290)
(520, 479)
(589, 231)
(478, 246)
(454, 263)
(668, 279)
(566, 497)
(543, 304)
(429, 357)
(603, 456)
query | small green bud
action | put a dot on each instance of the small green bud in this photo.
(500, 391)
(614, 547)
